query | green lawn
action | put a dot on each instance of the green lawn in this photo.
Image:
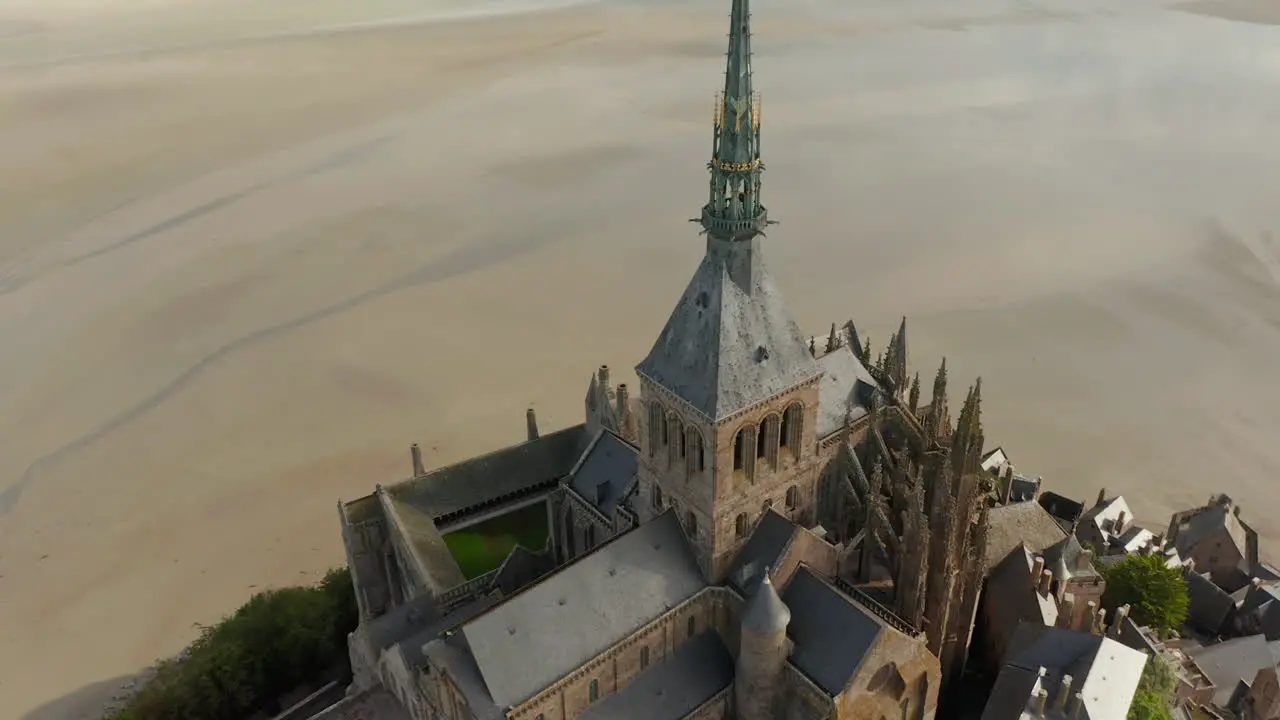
(481, 548)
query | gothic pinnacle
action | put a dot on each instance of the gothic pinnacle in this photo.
(734, 211)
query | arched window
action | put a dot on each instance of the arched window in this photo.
(739, 450)
(693, 525)
(644, 657)
(593, 692)
(792, 429)
(662, 429)
(699, 455)
(657, 497)
(675, 438)
(767, 442)
(740, 525)
(693, 462)
(793, 497)
(655, 427)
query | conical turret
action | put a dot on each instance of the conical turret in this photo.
(765, 612)
(762, 654)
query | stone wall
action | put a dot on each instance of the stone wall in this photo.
(708, 502)
(714, 607)
(717, 708)
(364, 539)
(898, 672)
(804, 699)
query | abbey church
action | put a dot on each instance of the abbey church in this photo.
(768, 526)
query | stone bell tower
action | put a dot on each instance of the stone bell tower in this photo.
(730, 390)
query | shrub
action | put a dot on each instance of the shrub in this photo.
(1156, 594)
(275, 642)
(1154, 694)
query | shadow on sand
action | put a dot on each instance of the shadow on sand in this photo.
(87, 703)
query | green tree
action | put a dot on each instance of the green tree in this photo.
(1156, 594)
(274, 643)
(1154, 695)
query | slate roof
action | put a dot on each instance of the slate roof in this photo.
(542, 633)
(487, 477)
(1227, 663)
(451, 652)
(1209, 604)
(421, 536)
(606, 473)
(1207, 523)
(1019, 523)
(522, 567)
(1066, 559)
(832, 633)
(1134, 539)
(1266, 571)
(766, 548)
(670, 690)
(995, 459)
(1104, 516)
(765, 611)
(1024, 488)
(1104, 671)
(1013, 587)
(1064, 509)
(420, 619)
(1012, 692)
(710, 354)
(843, 389)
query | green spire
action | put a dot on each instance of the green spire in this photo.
(734, 211)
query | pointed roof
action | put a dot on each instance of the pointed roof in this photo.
(726, 347)
(731, 341)
(766, 613)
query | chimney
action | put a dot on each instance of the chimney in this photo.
(1090, 615)
(1073, 705)
(1066, 611)
(415, 454)
(531, 424)
(1084, 559)
(1037, 568)
(1039, 696)
(624, 408)
(1064, 692)
(1040, 702)
(1100, 622)
(1117, 622)
(1120, 522)
(1046, 581)
(1102, 496)
(603, 379)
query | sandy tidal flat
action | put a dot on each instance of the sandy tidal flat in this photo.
(247, 257)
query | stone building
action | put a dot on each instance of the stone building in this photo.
(1217, 541)
(765, 528)
(1066, 674)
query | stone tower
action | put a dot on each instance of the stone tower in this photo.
(729, 392)
(762, 652)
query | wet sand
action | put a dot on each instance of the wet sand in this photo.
(244, 263)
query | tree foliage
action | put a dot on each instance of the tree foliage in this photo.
(1156, 594)
(275, 642)
(1154, 695)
